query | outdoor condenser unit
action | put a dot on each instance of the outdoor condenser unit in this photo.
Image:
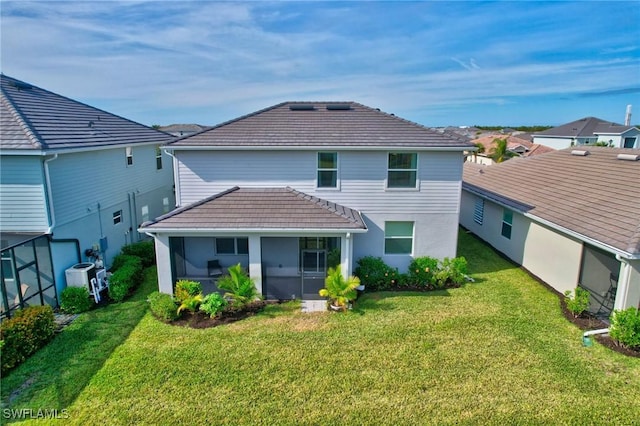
(80, 274)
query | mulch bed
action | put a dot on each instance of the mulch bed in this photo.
(228, 316)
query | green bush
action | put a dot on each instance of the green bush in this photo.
(239, 286)
(186, 289)
(29, 330)
(125, 279)
(122, 259)
(422, 271)
(375, 274)
(451, 270)
(145, 250)
(625, 327)
(212, 304)
(578, 303)
(191, 303)
(163, 306)
(75, 300)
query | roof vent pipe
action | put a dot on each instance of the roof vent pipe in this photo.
(627, 116)
(629, 157)
(579, 152)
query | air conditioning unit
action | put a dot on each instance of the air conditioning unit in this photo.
(80, 275)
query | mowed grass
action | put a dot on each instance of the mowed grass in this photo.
(497, 351)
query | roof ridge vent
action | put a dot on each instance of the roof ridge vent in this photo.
(628, 157)
(302, 107)
(580, 152)
(338, 107)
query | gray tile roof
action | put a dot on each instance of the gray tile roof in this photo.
(320, 124)
(588, 126)
(260, 209)
(596, 195)
(36, 119)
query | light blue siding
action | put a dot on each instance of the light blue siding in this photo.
(22, 195)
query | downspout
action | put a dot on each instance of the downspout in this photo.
(623, 283)
(175, 178)
(47, 179)
(586, 336)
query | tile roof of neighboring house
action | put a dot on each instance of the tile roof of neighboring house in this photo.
(260, 209)
(596, 195)
(32, 118)
(588, 126)
(320, 124)
(183, 128)
(513, 142)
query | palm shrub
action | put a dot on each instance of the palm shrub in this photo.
(625, 327)
(450, 270)
(212, 304)
(240, 288)
(186, 289)
(338, 289)
(578, 303)
(191, 304)
(75, 300)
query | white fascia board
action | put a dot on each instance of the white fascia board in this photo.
(185, 232)
(318, 148)
(22, 152)
(74, 150)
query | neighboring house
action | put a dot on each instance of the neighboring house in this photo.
(518, 146)
(294, 188)
(589, 131)
(72, 178)
(571, 217)
(181, 130)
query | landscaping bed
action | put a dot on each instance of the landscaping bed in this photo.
(229, 315)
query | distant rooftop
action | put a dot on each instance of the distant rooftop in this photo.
(588, 126)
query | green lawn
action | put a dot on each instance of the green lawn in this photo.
(497, 351)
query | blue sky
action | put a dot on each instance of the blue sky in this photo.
(436, 63)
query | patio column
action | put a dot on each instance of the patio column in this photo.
(346, 254)
(255, 261)
(163, 261)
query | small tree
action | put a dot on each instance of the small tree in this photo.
(578, 303)
(500, 152)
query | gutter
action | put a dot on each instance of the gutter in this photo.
(47, 178)
(288, 231)
(394, 148)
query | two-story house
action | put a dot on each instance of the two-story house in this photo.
(589, 131)
(294, 188)
(73, 178)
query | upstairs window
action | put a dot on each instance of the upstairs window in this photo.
(327, 170)
(398, 237)
(117, 217)
(507, 223)
(402, 170)
(158, 158)
(129, 154)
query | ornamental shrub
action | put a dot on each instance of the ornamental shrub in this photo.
(625, 328)
(241, 288)
(125, 279)
(75, 300)
(422, 271)
(212, 304)
(163, 306)
(186, 289)
(375, 274)
(578, 303)
(450, 271)
(145, 250)
(122, 259)
(29, 330)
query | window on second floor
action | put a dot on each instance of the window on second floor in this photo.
(629, 142)
(129, 153)
(327, 170)
(507, 223)
(158, 158)
(402, 170)
(117, 217)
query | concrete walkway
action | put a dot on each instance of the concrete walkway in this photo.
(314, 305)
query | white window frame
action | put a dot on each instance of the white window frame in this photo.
(158, 158)
(128, 151)
(390, 170)
(117, 217)
(165, 205)
(412, 238)
(334, 170)
(506, 224)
